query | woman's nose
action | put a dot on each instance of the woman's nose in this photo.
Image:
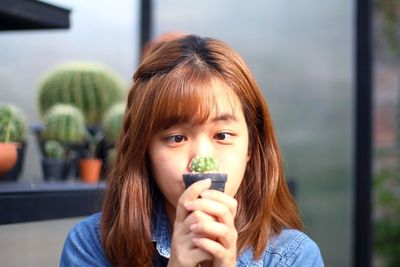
(202, 147)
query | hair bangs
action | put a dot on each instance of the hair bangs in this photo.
(183, 97)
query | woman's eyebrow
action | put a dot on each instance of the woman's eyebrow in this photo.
(225, 117)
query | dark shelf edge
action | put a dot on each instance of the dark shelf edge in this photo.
(38, 205)
(32, 15)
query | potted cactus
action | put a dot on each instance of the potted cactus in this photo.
(12, 142)
(54, 164)
(112, 122)
(203, 167)
(65, 123)
(89, 164)
(91, 87)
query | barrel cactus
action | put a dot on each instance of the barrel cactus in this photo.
(54, 150)
(12, 124)
(64, 123)
(203, 167)
(204, 164)
(112, 122)
(91, 87)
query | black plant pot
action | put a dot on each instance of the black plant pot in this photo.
(218, 180)
(78, 151)
(15, 172)
(75, 151)
(55, 170)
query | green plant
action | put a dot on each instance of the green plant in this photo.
(387, 180)
(387, 223)
(389, 11)
(12, 124)
(112, 122)
(91, 87)
(64, 123)
(204, 164)
(112, 154)
(93, 141)
(54, 150)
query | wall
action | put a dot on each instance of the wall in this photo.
(34, 244)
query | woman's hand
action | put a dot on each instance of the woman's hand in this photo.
(183, 251)
(204, 228)
(217, 236)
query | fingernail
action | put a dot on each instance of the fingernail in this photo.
(206, 194)
(193, 226)
(189, 205)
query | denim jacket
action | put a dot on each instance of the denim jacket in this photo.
(83, 247)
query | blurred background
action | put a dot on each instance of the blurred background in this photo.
(302, 54)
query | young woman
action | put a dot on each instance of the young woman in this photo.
(194, 96)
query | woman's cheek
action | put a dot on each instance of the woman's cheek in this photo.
(235, 166)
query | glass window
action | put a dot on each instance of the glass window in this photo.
(386, 126)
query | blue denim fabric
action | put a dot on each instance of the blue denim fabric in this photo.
(290, 248)
(83, 245)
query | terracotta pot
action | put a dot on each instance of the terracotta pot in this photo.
(15, 172)
(8, 156)
(89, 169)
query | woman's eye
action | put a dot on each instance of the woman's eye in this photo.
(223, 136)
(176, 139)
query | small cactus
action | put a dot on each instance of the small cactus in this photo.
(204, 164)
(64, 123)
(12, 124)
(91, 87)
(112, 122)
(54, 150)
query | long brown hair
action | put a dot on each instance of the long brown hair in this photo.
(170, 87)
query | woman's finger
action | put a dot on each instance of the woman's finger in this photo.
(184, 252)
(221, 255)
(196, 217)
(199, 255)
(191, 193)
(221, 197)
(215, 231)
(213, 208)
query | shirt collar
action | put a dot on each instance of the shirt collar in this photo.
(161, 233)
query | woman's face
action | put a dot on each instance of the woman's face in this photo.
(224, 136)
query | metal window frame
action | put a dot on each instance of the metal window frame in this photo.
(362, 169)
